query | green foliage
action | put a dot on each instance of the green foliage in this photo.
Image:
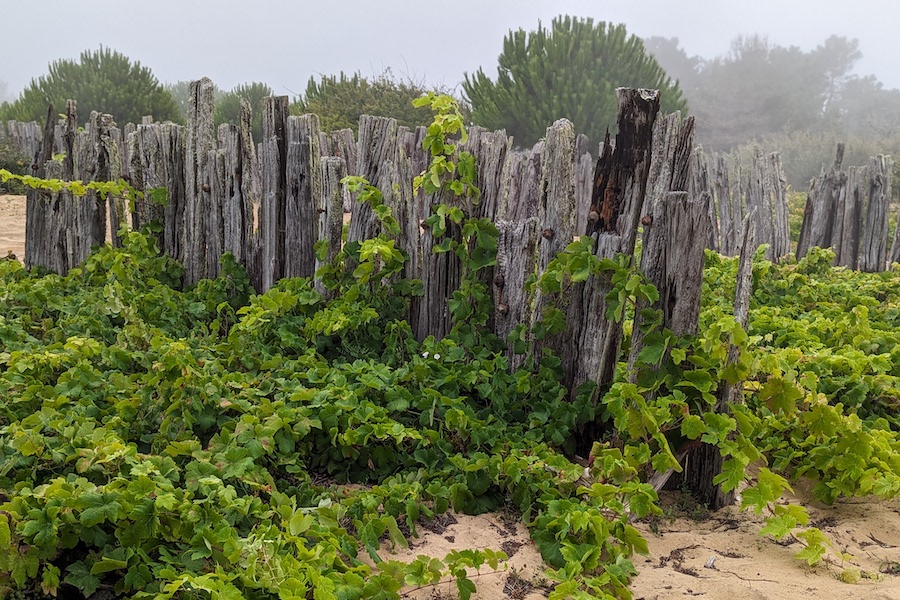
(340, 100)
(570, 70)
(14, 162)
(104, 81)
(228, 106)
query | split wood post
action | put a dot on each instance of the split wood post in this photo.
(874, 250)
(777, 191)
(304, 201)
(722, 191)
(200, 139)
(376, 156)
(556, 223)
(584, 175)
(273, 182)
(516, 250)
(698, 184)
(251, 197)
(820, 213)
(670, 165)
(620, 184)
(853, 202)
(672, 258)
(46, 215)
(702, 463)
(521, 200)
(96, 160)
(759, 201)
(330, 223)
(218, 183)
(157, 161)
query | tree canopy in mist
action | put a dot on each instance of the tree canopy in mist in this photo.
(570, 70)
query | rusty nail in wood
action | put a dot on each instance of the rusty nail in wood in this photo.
(34, 166)
(646, 220)
(548, 234)
(499, 281)
(594, 216)
(503, 308)
(205, 187)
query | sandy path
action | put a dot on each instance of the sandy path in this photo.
(12, 226)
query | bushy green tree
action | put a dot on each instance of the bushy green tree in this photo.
(228, 107)
(101, 80)
(340, 100)
(570, 70)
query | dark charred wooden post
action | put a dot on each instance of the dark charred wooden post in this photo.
(620, 184)
(820, 214)
(672, 259)
(200, 140)
(702, 463)
(874, 250)
(272, 163)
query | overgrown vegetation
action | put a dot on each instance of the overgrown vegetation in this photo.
(159, 442)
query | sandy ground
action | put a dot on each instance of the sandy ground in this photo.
(745, 565)
(12, 226)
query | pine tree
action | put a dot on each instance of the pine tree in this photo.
(104, 81)
(570, 71)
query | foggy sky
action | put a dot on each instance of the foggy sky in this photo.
(283, 43)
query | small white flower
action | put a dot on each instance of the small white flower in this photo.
(425, 355)
(437, 356)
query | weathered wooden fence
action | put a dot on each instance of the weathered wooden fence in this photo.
(848, 211)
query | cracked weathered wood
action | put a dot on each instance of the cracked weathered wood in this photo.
(376, 155)
(584, 176)
(777, 190)
(699, 183)
(874, 245)
(556, 223)
(852, 202)
(670, 165)
(722, 191)
(703, 462)
(200, 140)
(759, 201)
(820, 213)
(47, 215)
(520, 202)
(620, 182)
(331, 222)
(516, 250)
(273, 182)
(96, 159)
(304, 201)
(672, 257)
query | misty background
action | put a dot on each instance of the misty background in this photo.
(794, 76)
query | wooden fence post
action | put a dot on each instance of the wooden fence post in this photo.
(273, 152)
(199, 142)
(620, 184)
(819, 215)
(304, 201)
(874, 250)
(704, 462)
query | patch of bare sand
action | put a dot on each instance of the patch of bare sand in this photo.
(12, 226)
(746, 565)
